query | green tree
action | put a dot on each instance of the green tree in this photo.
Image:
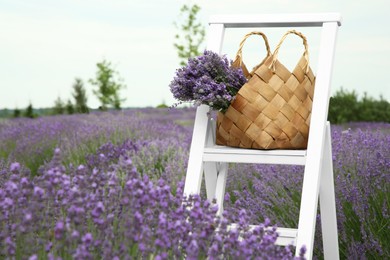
(69, 107)
(191, 35)
(383, 107)
(80, 97)
(17, 112)
(345, 106)
(108, 85)
(162, 105)
(59, 106)
(117, 101)
(374, 110)
(30, 111)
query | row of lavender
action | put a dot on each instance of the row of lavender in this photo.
(104, 192)
(113, 188)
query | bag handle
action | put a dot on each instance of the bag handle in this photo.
(238, 62)
(305, 53)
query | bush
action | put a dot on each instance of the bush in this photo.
(346, 107)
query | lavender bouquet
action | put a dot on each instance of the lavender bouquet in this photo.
(208, 79)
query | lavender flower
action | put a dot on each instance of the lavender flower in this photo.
(87, 239)
(15, 167)
(100, 216)
(209, 80)
(128, 192)
(59, 230)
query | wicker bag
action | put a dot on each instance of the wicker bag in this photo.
(238, 61)
(272, 110)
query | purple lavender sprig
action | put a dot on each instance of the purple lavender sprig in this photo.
(100, 212)
(207, 79)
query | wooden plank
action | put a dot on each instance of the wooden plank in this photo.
(287, 236)
(237, 155)
(275, 20)
(233, 150)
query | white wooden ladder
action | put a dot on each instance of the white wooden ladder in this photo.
(212, 160)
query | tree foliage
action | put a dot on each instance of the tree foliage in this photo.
(29, 112)
(16, 113)
(80, 97)
(69, 107)
(346, 106)
(59, 107)
(108, 85)
(191, 33)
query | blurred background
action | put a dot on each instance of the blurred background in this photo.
(46, 45)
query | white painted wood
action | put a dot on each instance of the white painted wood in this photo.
(210, 179)
(211, 168)
(195, 164)
(213, 160)
(237, 155)
(216, 35)
(287, 236)
(311, 179)
(275, 20)
(221, 184)
(328, 202)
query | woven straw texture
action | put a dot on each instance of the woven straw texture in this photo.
(272, 110)
(238, 61)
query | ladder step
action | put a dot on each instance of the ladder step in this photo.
(219, 153)
(287, 236)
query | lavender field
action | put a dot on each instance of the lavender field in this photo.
(109, 186)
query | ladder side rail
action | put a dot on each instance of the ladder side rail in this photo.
(210, 167)
(328, 202)
(311, 179)
(195, 163)
(217, 34)
(193, 179)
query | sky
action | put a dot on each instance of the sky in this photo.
(46, 44)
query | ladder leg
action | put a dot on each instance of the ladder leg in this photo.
(308, 212)
(210, 177)
(195, 162)
(215, 179)
(221, 185)
(309, 201)
(211, 168)
(328, 203)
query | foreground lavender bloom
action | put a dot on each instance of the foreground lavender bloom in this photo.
(86, 212)
(207, 79)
